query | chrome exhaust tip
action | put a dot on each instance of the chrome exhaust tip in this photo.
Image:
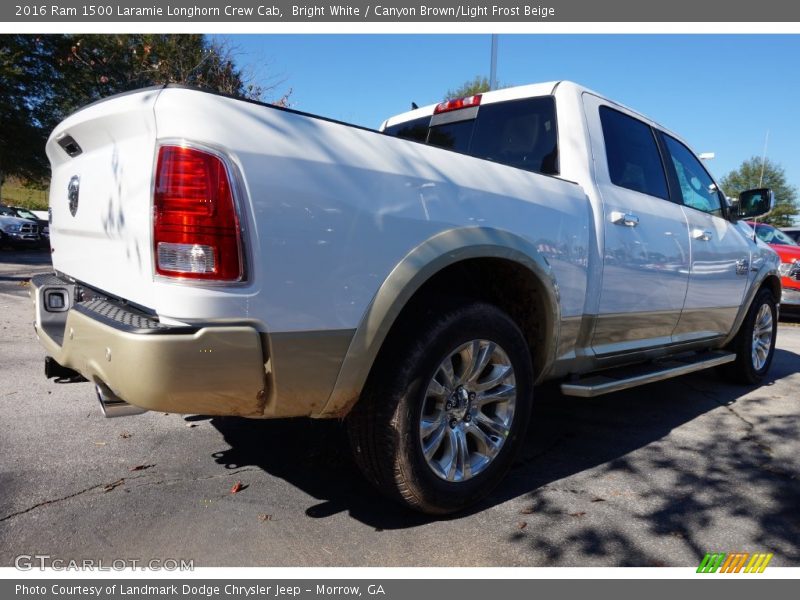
(114, 406)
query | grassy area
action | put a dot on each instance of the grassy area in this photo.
(17, 195)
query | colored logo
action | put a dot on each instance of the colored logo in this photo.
(734, 562)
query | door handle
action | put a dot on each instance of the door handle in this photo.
(702, 234)
(623, 218)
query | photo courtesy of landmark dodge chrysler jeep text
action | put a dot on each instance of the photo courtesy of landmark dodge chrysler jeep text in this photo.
(224, 257)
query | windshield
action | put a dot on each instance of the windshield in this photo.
(770, 235)
(26, 214)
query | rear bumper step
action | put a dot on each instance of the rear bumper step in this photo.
(138, 363)
(621, 379)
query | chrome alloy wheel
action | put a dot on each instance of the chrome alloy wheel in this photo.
(468, 410)
(762, 337)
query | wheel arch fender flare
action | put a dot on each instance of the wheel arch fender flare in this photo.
(419, 266)
(766, 277)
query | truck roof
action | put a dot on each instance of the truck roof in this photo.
(520, 91)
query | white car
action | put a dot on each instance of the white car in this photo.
(226, 257)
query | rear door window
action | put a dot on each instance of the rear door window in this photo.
(634, 161)
(518, 133)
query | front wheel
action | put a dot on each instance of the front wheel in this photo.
(446, 409)
(754, 345)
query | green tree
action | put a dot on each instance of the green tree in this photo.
(478, 85)
(21, 135)
(44, 78)
(749, 176)
(99, 65)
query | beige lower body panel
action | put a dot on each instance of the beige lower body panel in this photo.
(218, 369)
(615, 333)
(213, 371)
(704, 322)
(304, 366)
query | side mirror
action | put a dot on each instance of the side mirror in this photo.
(755, 203)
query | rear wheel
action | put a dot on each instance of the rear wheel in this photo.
(445, 411)
(754, 345)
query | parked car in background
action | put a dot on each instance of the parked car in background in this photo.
(792, 232)
(17, 232)
(789, 251)
(41, 221)
(24, 213)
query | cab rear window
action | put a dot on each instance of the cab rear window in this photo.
(416, 130)
(519, 133)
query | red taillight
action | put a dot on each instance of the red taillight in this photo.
(196, 232)
(457, 104)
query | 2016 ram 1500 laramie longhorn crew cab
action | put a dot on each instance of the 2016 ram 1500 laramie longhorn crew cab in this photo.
(224, 257)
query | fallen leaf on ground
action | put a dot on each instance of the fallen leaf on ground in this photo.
(141, 467)
(527, 511)
(237, 487)
(111, 486)
(522, 525)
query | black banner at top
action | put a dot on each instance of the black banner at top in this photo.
(389, 11)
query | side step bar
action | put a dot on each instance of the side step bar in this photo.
(615, 380)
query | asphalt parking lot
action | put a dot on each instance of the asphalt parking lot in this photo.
(653, 476)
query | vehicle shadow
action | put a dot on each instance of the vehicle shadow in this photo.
(568, 436)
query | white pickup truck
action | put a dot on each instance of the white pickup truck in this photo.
(224, 257)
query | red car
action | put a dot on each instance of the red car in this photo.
(789, 251)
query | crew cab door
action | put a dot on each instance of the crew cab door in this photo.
(720, 254)
(645, 235)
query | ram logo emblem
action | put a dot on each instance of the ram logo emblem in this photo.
(73, 192)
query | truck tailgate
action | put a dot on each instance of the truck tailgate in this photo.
(102, 161)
